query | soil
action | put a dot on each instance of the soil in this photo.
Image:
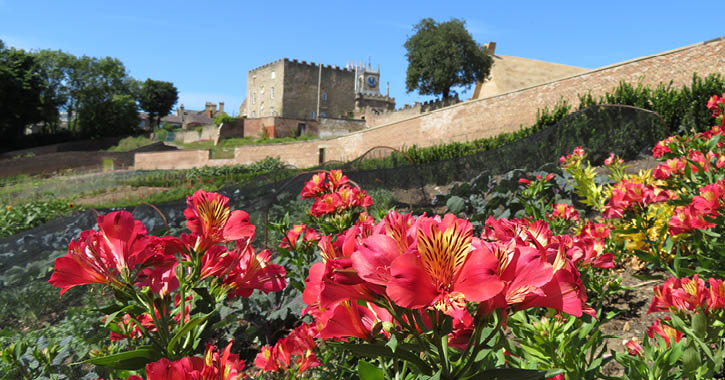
(633, 320)
(117, 194)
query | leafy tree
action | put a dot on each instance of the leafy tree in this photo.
(21, 86)
(223, 118)
(94, 84)
(57, 69)
(157, 98)
(444, 55)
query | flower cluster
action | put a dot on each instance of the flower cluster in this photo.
(290, 240)
(717, 106)
(212, 366)
(574, 158)
(628, 195)
(563, 211)
(294, 350)
(162, 284)
(685, 294)
(704, 206)
(433, 263)
(333, 194)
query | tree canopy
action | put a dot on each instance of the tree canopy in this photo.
(442, 56)
(21, 88)
(157, 98)
(96, 96)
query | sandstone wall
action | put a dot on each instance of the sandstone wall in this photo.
(503, 113)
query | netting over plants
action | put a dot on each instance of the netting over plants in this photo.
(626, 131)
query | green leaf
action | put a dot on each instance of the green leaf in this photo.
(368, 371)
(455, 204)
(699, 324)
(510, 374)
(377, 350)
(185, 330)
(132, 360)
(392, 343)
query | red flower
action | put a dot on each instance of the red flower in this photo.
(445, 272)
(253, 271)
(315, 186)
(99, 257)
(634, 348)
(564, 211)
(213, 366)
(524, 181)
(666, 332)
(350, 319)
(211, 220)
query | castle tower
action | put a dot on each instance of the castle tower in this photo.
(368, 80)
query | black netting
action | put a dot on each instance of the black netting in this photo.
(626, 131)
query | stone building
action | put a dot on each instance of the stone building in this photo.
(308, 91)
(185, 118)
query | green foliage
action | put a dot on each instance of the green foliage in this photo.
(27, 215)
(21, 89)
(223, 118)
(128, 144)
(444, 55)
(157, 98)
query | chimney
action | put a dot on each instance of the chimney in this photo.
(221, 107)
(491, 48)
(180, 110)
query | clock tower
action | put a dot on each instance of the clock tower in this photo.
(367, 80)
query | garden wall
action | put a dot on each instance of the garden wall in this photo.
(498, 114)
(54, 162)
(185, 159)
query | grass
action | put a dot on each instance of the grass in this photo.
(225, 148)
(130, 143)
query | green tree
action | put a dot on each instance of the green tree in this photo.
(442, 56)
(94, 84)
(157, 97)
(57, 69)
(21, 86)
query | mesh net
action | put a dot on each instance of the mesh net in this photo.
(626, 131)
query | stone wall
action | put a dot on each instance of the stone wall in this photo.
(185, 159)
(301, 90)
(57, 161)
(264, 90)
(230, 129)
(502, 113)
(338, 127)
(375, 118)
(208, 133)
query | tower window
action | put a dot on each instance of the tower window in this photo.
(271, 92)
(324, 96)
(273, 75)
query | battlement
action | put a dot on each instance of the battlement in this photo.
(267, 65)
(370, 96)
(315, 65)
(429, 105)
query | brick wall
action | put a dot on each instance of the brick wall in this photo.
(186, 159)
(53, 162)
(502, 113)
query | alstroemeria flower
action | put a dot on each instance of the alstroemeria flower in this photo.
(211, 220)
(213, 366)
(446, 272)
(349, 319)
(118, 247)
(253, 271)
(666, 332)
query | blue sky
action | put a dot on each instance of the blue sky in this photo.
(206, 48)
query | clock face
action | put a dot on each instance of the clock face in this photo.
(372, 81)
